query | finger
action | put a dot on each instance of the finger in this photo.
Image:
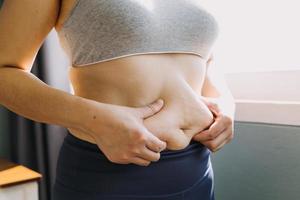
(150, 109)
(213, 107)
(216, 128)
(218, 141)
(221, 145)
(218, 148)
(212, 132)
(140, 161)
(201, 136)
(214, 111)
(149, 155)
(230, 137)
(212, 104)
(155, 144)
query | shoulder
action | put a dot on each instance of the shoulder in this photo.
(24, 24)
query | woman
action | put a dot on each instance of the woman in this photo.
(146, 111)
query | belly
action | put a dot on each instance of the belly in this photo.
(141, 79)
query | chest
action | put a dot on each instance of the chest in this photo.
(178, 16)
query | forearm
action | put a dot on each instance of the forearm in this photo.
(26, 95)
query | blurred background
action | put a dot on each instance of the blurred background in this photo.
(258, 51)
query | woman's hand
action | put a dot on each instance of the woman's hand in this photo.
(120, 133)
(220, 132)
(179, 121)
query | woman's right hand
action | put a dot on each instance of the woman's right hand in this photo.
(121, 135)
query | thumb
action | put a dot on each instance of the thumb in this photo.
(211, 103)
(155, 144)
(150, 109)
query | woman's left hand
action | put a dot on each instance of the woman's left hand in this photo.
(221, 130)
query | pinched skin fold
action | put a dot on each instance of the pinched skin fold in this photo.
(179, 121)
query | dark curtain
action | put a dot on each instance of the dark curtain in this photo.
(33, 144)
(29, 145)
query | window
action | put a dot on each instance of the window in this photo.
(258, 48)
(257, 35)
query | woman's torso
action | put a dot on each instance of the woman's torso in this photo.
(141, 79)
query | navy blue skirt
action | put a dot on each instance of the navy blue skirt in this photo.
(84, 173)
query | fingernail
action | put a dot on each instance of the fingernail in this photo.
(160, 100)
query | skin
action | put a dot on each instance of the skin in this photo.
(113, 102)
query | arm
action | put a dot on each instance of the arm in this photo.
(23, 27)
(118, 130)
(216, 89)
(218, 98)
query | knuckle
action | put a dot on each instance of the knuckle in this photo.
(223, 123)
(158, 157)
(210, 135)
(124, 157)
(161, 147)
(139, 136)
(146, 163)
(131, 147)
(214, 148)
(227, 120)
(212, 145)
(135, 132)
(136, 151)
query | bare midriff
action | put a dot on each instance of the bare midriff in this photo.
(138, 80)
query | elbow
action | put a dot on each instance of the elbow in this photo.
(13, 67)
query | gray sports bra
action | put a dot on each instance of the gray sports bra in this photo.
(102, 30)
